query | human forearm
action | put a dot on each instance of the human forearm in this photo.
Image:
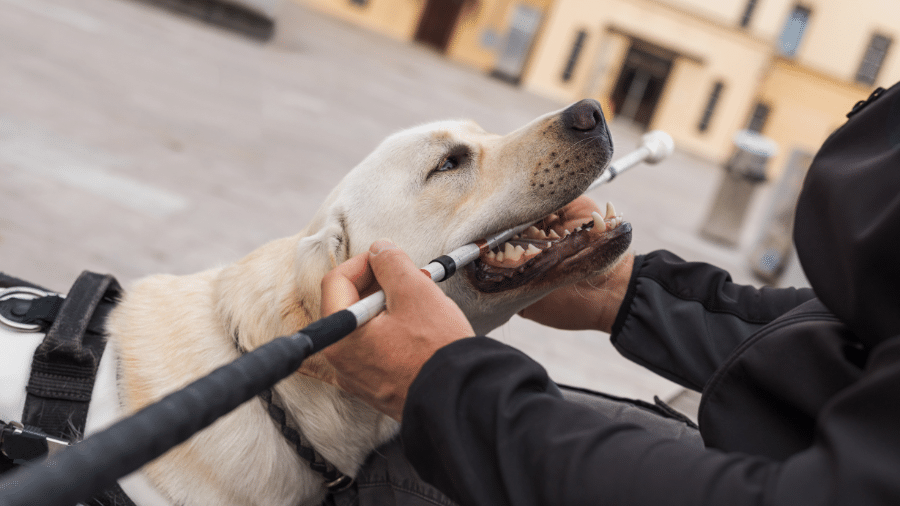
(483, 425)
(683, 319)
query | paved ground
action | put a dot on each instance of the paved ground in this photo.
(133, 141)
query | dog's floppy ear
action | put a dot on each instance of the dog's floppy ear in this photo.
(323, 249)
(276, 289)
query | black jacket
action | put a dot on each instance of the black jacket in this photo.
(801, 389)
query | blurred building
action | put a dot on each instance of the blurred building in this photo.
(700, 70)
(487, 34)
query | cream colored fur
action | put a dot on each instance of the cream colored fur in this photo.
(169, 330)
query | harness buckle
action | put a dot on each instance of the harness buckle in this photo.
(11, 313)
(340, 484)
(21, 444)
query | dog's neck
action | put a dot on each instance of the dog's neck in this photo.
(257, 303)
(172, 329)
(259, 297)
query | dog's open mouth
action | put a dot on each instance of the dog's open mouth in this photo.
(549, 250)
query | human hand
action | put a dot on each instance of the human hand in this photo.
(589, 304)
(379, 361)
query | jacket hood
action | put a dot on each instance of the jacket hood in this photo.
(847, 225)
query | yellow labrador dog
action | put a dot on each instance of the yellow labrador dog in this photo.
(430, 189)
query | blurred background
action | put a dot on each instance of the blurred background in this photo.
(147, 136)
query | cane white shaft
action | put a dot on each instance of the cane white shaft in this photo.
(655, 146)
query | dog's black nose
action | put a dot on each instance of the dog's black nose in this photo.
(584, 116)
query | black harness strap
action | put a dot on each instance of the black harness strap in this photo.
(335, 480)
(65, 365)
(66, 362)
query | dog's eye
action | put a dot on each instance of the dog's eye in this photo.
(457, 157)
(450, 163)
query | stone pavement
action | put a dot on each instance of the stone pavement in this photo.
(134, 141)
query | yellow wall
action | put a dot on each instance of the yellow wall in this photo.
(400, 19)
(808, 93)
(769, 17)
(466, 45)
(723, 11)
(806, 108)
(604, 62)
(839, 33)
(710, 52)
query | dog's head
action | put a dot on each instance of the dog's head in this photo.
(433, 188)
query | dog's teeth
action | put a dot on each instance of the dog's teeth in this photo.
(532, 251)
(552, 234)
(516, 254)
(566, 233)
(499, 257)
(610, 210)
(491, 255)
(597, 218)
(577, 229)
(508, 250)
(541, 235)
(600, 225)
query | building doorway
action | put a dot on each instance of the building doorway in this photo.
(641, 82)
(437, 23)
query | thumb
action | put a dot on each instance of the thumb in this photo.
(395, 271)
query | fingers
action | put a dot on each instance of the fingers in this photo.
(342, 286)
(385, 266)
(379, 360)
(397, 274)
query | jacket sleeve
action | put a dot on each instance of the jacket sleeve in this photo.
(683, 319)
(484, 425)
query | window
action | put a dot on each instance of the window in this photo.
(573, 56)
(710, 106)
(758, 119)
(748, 13)
(872, 60)
(793, 30)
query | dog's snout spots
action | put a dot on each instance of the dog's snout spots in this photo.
(578, 147)
(556, 172)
